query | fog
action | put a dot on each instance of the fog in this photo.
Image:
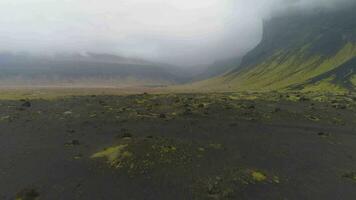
(180, 32)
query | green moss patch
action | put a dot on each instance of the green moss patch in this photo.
(230, 183)
(144, 155)
(27, 194)
(350, 175)
(114, 155)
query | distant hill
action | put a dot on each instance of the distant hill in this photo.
(305, 51)
(218, 68)
(89, 69)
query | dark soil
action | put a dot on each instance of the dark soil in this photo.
(186, 146)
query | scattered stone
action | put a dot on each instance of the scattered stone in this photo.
(126, 135)
(333, 101)
(27, 194)
(71, 131)
(258, 176)
(251, 107)
(313, 118)
(4, 118)
(342, 107)
(350, 175)
(277, 110)
(101, 102)
(322, 134)
(187, 111)
(303, 99)
(26, 104)
(201, 149)
(201, 105)
(73, 143)
(78, 157)
(67, 113)
(233, 124)
(339, 106)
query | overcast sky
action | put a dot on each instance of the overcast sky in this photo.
(174, 31)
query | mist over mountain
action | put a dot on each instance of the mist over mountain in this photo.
(170, 42)
(308, 51)
(181, 32)
(90, 69)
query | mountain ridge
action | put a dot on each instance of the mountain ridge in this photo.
(298, 52)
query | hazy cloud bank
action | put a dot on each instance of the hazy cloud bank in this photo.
(174, 31)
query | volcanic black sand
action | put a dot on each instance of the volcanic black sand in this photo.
(179, 146)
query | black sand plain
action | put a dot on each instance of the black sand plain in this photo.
(179, 146)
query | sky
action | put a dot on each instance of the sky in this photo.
(180, 32)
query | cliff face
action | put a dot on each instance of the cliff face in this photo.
(304, 51)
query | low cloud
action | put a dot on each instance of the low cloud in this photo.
(179, 32)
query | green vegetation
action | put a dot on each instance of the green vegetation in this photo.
(202, 145)
(27, 194)
(114, 155)
(144, 155)
(283, 71)
(350, 175)
(353, 80)
(230, 183)
(324, 85)
(300, 59)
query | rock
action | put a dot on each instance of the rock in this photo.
(350, 175)
(322, 134)
(67, 113)
(103, 103)
(26, 104)
(162, 116)
(201, 105)
(187, 112)
(78, 156)
(233, 124)
(73, 143)
(124, 130)
(303, 99)
(28, 194)
(126, 135)
(339, 106)
(251, 107)
(71, 131)
(342, 107)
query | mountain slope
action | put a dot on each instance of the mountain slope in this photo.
(88, 70)
(314, 51)
(219, 67)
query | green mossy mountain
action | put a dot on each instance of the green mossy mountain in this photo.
(313, 51)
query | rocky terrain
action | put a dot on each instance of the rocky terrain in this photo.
(179, 146)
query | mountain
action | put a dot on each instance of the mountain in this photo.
(307, 51)
(217, 68)
(90, 69)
